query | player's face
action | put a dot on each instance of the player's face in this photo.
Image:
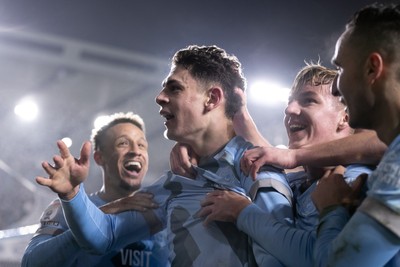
(352, 84)
(181, 103)
(125, 155)
(312, 116)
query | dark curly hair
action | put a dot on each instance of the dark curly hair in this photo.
(211, 64)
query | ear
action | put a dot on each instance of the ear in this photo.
(98, 157)
(375, 67)
(344, 121)
(214, 98)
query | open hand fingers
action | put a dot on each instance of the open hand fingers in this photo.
(58, 162)
(247, 161)
(44, 181)
(210, 198)
(48, 168)
(64, 151)
(85, 153)
(245, 165)
(255, 168)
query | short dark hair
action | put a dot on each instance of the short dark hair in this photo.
(211, 64)
(377, 26)
(99, 131)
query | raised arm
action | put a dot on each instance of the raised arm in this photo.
(245, 126)
(53, 236)
(67, 173)
(93, 230)
(362, 147)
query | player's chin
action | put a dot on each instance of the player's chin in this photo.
(131, 183)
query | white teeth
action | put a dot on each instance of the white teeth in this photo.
(133, 165)
(296, 127)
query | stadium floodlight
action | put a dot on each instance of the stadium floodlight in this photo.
(268, 93)
(27, 109)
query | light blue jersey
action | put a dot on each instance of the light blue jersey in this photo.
(372, 236)
(291, 244)
(190, 242)
(54, 239)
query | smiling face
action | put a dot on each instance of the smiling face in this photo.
(123, 156)
(182, 103)
(313, 115)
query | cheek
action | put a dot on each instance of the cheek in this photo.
(346, 86)
(116, 158)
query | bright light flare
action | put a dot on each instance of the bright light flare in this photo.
(268, 93)
(27, 110)
(67, 141)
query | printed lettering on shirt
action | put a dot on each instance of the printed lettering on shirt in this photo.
(130, 257)
(134, 255)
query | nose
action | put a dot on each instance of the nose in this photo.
(334, 87)
(161, 98)
(292, 108)
(134, 149)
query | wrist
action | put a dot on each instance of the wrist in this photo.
(327, 210)
(69, 195)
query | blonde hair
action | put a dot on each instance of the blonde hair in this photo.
(313, 74)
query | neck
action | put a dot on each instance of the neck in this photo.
(388, 128)
(109, 193)
(215, 137)
(386, 114)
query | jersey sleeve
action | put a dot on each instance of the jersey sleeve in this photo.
(362, 242)
(98, 233)
(52, 238)
(272, 198)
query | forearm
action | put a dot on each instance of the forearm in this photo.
(86, 222)
(362, 147)
(96, 232)
(245, 126)
(278, 238)
(271, 202)
(332, 221)
(362, 242)
(42, 249)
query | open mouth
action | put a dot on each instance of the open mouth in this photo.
(168, 116)
(296, 127)
(133, 166)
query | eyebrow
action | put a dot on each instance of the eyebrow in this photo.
(129, 136)
(309, 94)
(169, 82)
(301, 94)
